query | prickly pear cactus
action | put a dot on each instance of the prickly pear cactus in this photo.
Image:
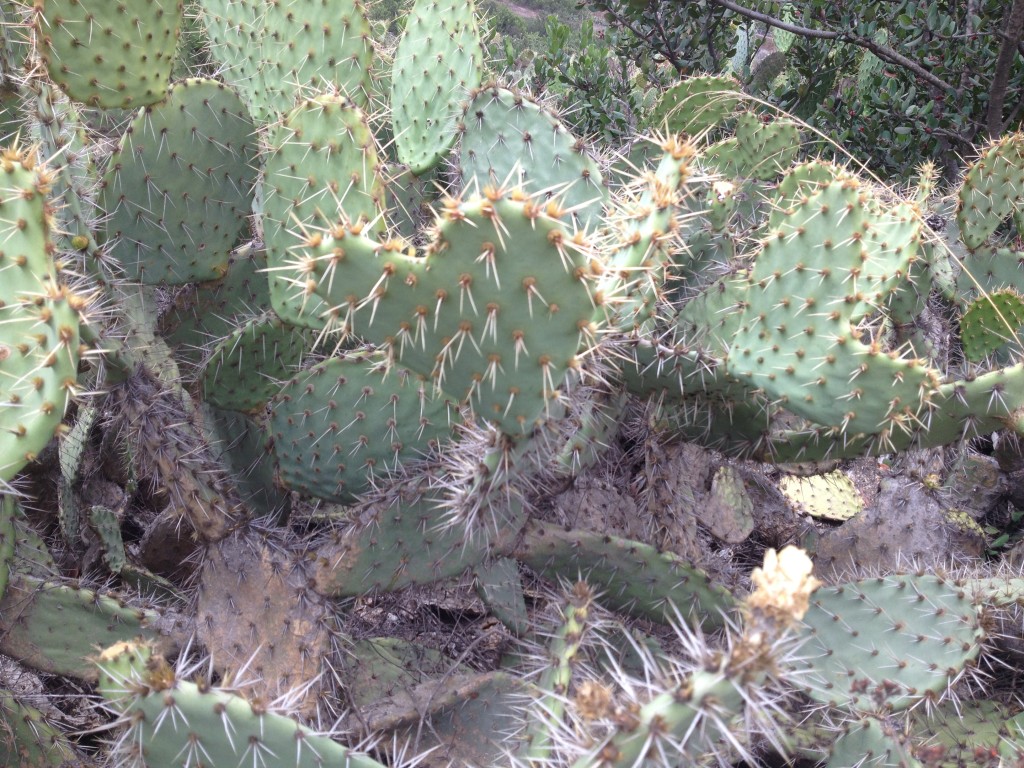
(39, 343)
(110, 54)
(179, 189)
(436, 66)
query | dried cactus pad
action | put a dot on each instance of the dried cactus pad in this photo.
(831, 496)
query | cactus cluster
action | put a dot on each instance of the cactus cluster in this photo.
(351, 315)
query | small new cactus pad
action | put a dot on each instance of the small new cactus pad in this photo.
(247, 368)
(831, 496)
(758, 150)
(107, 528)
(348, 422)
(438, 62)
(174, 722)
(493, 315)
(109, 54)
(729, 511)
(992, 190)
(883, 644)
(322, 165)
(991, 322)
(641, 244)
(695, 105)
(509, 140)
(178, 190)
(39, 319)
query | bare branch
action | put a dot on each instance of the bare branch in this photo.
(881, 51)
(1013, 29)
(764, 18)
(888, 54)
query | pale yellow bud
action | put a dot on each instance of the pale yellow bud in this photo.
(783, 587)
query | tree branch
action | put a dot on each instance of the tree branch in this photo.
(1013, 29)
(764, 18)
(881, 51)
(888, 54)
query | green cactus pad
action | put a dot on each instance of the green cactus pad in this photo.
(39, 319)
(410, 198)
(957, 410)
(1012, 748)
(871, 743)
(986, 270)
(178, 191)
(695, 105)
(377, 668)
(631, 577)
(438, 63)
(55, 628)
(640, 249)
(493, 315)
(509, 140)
(235, 30)
(830, 260)
(991, 323)
(475, 730)
(404, 539)
(806, 179)
(107, 527)
(348, 422)
(758, 151)
(174, 722)
(323, 162)
(831, 496)
(245, 370)
(241, 445)
(964, 729)
(887, 643)
(8, 538)
(992, 189)
(273, 52)
(110, 55)
(206, 312)
(870, 68)
(324, 44)
(500, 586)
(28, 740)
